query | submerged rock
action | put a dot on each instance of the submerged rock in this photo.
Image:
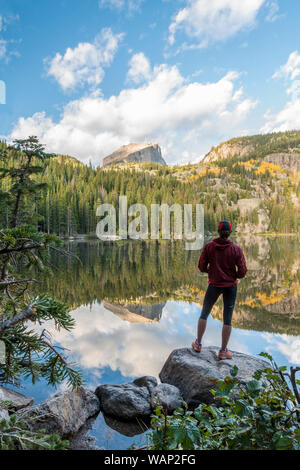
(63, 413)
(195, 374)
(18, 400)
(82, 440)
(128, 428)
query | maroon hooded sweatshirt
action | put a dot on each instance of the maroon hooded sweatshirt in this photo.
(223, 261)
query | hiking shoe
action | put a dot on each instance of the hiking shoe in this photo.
(196, 346)
(224, 354)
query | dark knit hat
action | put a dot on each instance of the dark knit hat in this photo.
(224, 225)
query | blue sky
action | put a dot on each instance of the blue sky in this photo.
(89, 76)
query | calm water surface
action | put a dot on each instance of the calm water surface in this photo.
(134, 302)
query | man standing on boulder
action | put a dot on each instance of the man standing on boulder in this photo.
(225, 263)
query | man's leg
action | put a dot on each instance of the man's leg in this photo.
(229, 296)
(226, 332)
(201, 329)
(211, 296)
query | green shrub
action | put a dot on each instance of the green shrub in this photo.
(15, 435)
(261, 414)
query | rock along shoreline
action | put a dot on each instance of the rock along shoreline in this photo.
(127, 408)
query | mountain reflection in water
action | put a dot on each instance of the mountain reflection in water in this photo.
(136, 313)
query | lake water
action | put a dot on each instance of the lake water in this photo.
(134, 302)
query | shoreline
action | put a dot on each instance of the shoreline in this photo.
(115, 240)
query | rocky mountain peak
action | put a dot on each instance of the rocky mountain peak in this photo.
(139, 153)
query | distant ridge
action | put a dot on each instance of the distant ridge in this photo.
(279, 148)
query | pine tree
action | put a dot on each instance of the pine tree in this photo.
(26, 153)
(28, 353)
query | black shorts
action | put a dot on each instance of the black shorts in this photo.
(211, 296)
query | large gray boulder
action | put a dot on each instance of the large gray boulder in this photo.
(63, 413)
(134, 402)
(146, 381)
(194, 373)
(167, 396)
(18, 400)
(125, 402)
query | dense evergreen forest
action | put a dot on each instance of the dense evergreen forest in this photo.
(71, 191)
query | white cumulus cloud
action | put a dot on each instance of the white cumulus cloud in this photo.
(140, 68)
(273, 11)
(288, 118)
(184, 117)
(210, 21)
(5, 51)
(291, 69)
(84, 64)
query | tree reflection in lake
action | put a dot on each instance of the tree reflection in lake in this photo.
(139, 277)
